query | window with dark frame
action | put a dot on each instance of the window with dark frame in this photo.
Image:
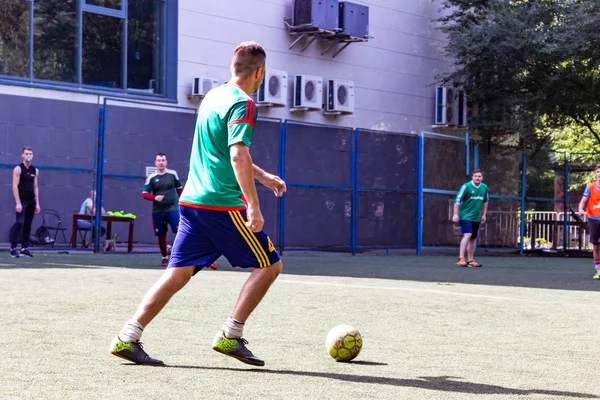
(115, 45)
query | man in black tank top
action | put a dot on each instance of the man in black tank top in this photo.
(27, 199)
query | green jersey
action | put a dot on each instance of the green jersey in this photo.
(225, 117)
(165, 184)
(470, 199)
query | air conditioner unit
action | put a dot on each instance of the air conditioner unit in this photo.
(354, 19)
(308, 92)
(202, 85)
(273, 90)
(340, 96)
(315, 14)
(450, 106)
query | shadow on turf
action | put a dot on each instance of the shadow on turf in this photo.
(440, 383)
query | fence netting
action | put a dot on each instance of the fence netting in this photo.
(318, 171)
(501, 166)
(133, 136)
(444, 172)
(387, 173)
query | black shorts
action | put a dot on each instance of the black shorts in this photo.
(594, 230)
(471, 227)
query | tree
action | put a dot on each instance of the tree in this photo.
(527, 64)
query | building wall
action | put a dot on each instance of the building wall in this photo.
(392, 75)
(392, 72)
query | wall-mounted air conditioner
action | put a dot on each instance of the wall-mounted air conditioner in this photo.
(202, 85)
(450, 106)
(273, 90)
(315, 14)
(340, 96)
(354, 19)
(308, 92)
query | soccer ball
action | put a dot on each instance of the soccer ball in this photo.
(344, 343)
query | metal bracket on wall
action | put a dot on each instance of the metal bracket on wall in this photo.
(330, 38)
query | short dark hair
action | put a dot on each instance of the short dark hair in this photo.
(477, 171)
(26, 148)
(161, 154)
(247, 58)
(597, 167)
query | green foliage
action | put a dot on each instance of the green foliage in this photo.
(527, 65)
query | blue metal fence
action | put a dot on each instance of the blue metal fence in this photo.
(350, 189)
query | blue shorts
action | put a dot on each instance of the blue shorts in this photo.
(161, 222)
(205, 235)
(469, 227)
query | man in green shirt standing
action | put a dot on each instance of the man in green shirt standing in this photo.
(470, 209)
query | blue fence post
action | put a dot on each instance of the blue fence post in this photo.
(354, 174)
(282, 146)
(99, 179)
(468, 146)
(476, 156)
(420, 167)
(523, 205)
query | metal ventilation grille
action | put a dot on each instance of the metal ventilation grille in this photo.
(274, 86)
(342, 95)
(310, 90)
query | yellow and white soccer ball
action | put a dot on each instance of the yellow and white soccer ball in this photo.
(344, 343)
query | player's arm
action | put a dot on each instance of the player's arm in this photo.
(484, 208)
(273, 182)
(240, 127)
(457, 201)
(16, 178)
(147, 190)
(241, 161)
(36, 191)
(584, 200)
(582, 205)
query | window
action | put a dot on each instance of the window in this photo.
(115, 4)
(14, 37)
(102, 59)
(55, 40)
(144, 53)
(92, 45)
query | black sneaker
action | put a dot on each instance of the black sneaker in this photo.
(235, 348)
(134, 352)
(14, 253)
(26, 253)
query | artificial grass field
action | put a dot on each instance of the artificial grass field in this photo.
(516, 328)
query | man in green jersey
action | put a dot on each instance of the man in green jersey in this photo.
(219, 213)
(470, 209)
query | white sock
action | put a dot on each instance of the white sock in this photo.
(131, 332)
(233, 329)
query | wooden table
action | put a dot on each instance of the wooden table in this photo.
(109, 219)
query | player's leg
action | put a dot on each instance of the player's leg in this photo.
(255, 289)
(161, 227)
(247, 249)
(29, 212)
(471, 246)
(466, 230)
(15, 233)
(192, 250)
(594, 228)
